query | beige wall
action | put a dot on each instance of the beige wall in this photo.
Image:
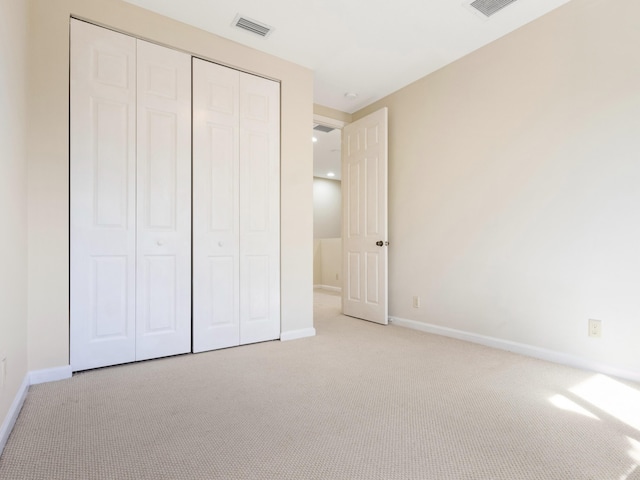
(327, 228)
(317, 262)
(48, 161)
(331, 262)
(327, 262)
(13, 199)
(514, 187)
(327, 208)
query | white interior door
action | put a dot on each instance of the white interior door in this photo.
(259, 209)
(364, 217)
(216, 198)
(102, 202)
(163, 274)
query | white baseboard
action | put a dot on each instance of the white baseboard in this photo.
(520, 348)
(296, 334)
(329, 288)
(49, 375)
(31, 378)
(14, 411)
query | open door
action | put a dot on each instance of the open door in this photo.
(364, 218)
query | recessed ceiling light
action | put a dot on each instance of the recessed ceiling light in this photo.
(331, 174)
(351, 95)
(314, 139)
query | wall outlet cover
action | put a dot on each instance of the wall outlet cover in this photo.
(595, 328)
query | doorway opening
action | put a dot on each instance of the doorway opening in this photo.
(327, 206)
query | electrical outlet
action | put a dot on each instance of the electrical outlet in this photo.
(416, 301)
(595, 328)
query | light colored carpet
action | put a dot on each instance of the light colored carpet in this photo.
(358, 401)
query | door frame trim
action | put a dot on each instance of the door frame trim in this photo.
(328, 121)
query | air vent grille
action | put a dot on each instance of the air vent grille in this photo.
(322, 128)
(252, 26)
(489, 7)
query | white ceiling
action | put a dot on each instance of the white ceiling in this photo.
(368, 47)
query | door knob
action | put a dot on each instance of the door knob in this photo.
(380, 243)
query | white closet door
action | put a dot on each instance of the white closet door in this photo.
(259, 209)
(102, 203)
(215, 206)
(163, 293)
(236, 207)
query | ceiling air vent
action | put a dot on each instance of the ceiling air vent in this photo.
(252, 26)
(489, 7)
(322, 128)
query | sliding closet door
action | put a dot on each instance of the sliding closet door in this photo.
(259, 209)
(102, 202)
(216, 314)
(163, 293)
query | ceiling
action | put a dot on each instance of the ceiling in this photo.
(367, 47)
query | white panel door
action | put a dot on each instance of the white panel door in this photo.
(364, 193)
(236, 194)
(102, 197)
(163, 274)
(216, 231)
(259, 209)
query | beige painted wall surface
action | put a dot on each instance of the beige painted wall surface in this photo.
(327, 262)
(48, 161)
(331, 262)
(514, 187)
(317, 262)
(327, 227)
(13, 199)
(327, 208)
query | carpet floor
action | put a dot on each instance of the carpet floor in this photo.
(358, 401)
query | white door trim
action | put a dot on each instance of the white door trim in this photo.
(328, 121)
